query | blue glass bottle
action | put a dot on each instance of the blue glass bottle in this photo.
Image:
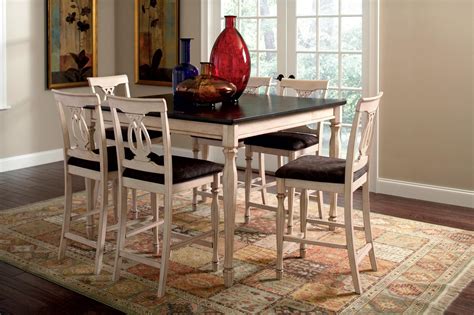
(184, 70)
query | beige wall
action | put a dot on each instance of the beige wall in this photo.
(426, 118)
(32, 124)
(190, 26)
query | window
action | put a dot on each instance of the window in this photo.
(3, 56)
(311, 39)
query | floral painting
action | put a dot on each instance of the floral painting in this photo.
(156, 40)
(72, 55)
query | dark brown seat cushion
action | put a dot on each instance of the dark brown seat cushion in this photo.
(284, 140)
(317, 169)
(110, 135)
(184, 169)
(95, 166)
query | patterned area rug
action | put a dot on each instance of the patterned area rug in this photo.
(422, 267)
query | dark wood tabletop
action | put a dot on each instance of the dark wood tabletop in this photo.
(250, 108)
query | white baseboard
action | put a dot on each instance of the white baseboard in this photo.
(29, 160)
(447, 195)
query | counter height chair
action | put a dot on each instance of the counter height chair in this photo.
(156, 174)
(107, 86)
(337, 176)
(255, 85)
(290, 143)
(82, 159)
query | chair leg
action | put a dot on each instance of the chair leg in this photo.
(248, 181)
(114, 199)
(261, 168)
(67, 215)
(367, 226)
(205, 156)
(215, 221)
(165, 253)
(134, 204)
(320, 203)
(351, 251)
(304, 200)
(291, 197)
(195, 155)
(90, 206)
(280, 226)
(122, 230)
(156, 234)
(99, 254)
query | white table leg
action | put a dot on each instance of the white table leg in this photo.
(334, 145)
(230, 198)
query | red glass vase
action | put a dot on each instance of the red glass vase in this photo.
(231, 57)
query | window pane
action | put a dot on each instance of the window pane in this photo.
(305, 7)
(328, 34)
(348, 110)
(306, 34)
(268, 34)
(328, 68)
(229, 7)
(253, 62)
(306, 66)
(328, 7)
(352, 71)
(248, 29)
(351, 6)
(248, 7)
(268, 64)
(268, 7)
(351, 33)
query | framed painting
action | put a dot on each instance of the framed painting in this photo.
(156, 41)
(72, 42)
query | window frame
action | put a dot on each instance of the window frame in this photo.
(3, 56)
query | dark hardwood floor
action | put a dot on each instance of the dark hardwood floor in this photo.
(24, 293)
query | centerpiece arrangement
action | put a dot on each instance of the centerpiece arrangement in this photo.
(223, 79)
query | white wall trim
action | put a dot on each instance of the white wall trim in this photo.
(29, 160)
(447, 195)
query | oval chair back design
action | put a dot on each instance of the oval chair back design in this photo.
(136, 110)
(303, 88)
(78, 136)
(358, 152)
(255, 83)
(108, 84)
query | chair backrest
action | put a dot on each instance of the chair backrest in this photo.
(107, 85)
(78, 136)
(135, 110)
(358, 152)
(255, 83)
(304, 88)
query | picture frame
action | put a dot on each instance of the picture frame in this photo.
(156, 41)
(71, 42)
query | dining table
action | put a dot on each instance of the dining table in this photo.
(253, 115)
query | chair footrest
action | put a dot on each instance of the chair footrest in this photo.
(290, 238)
(333, 224)
(80, 239)
(153, 262)
(144, 228)
(131, 223)
(186, 239)
(361, 253)
(83, 215)
(262, 206)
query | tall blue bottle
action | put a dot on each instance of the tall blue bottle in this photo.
(184, 70)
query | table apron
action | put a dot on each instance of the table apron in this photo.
(241, 130)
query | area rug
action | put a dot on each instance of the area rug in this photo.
(422, 267)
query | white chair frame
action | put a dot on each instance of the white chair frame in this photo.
(136, 110)
(79, 141)
(303, 88)
(357, 158)
(254, 85)
(107, 86)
